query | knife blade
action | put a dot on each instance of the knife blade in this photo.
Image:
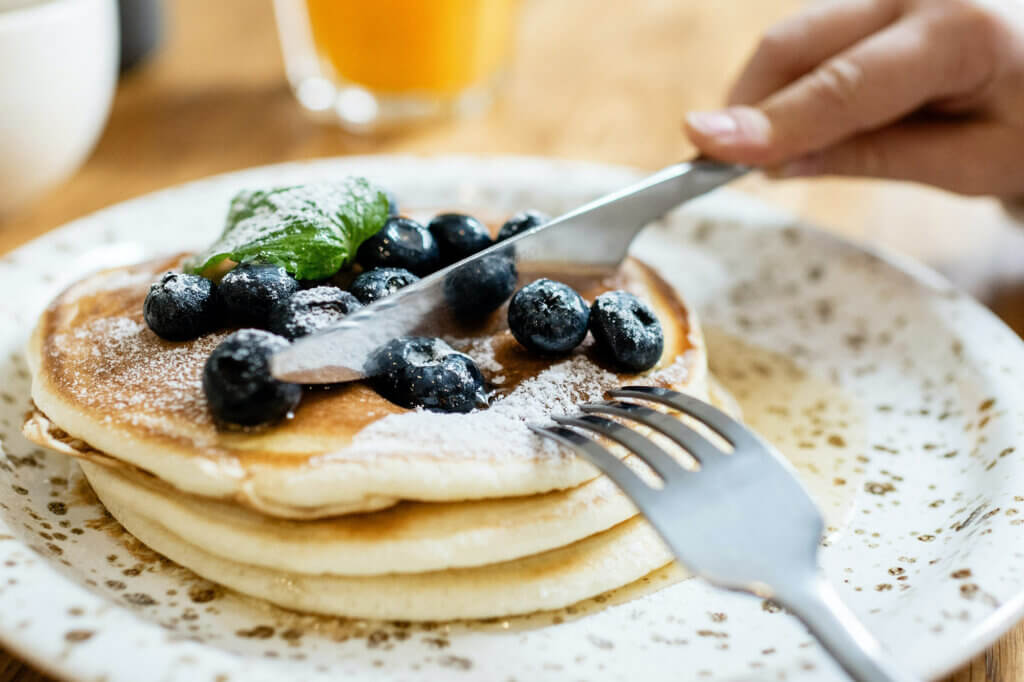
(598, 233)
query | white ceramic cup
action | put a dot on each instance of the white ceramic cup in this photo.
(58, 71)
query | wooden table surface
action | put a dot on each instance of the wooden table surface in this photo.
(608, 85)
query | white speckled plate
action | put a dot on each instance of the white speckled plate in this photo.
(911, 450)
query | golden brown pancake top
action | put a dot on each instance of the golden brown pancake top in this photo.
(98, 353)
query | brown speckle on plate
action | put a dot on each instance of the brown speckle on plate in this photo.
(913, 360)
(258, 632)
(456, 662)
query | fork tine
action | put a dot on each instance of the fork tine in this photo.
(664, 464)
(697, 445)
(724, 425)
(609, 464)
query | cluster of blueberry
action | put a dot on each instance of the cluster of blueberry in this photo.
(545, 317)
(417, 371)
(551, 317)
(275, 308)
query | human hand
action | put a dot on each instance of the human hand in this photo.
(924, 90)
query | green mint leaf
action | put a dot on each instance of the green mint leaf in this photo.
(312, 231)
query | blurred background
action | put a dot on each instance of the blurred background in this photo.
(201, 87)
(215, 86)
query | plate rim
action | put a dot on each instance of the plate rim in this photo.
(980, 637)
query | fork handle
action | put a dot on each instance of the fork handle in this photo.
(816, 603)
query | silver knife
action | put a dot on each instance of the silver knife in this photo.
(598, 233)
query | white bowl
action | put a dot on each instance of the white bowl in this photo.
(58, 70)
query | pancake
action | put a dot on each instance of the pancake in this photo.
(106, 380)
(549, 580)
(410, 537)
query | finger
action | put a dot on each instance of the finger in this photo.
(797, 45)
(877, 81)
(970, 158)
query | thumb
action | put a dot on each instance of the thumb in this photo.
(739, 134)
(970, 158)
(874, 83)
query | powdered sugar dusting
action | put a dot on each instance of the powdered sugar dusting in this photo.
(256, 215)
(119, 365)
(500, 432)
(679, 373)
(106, 358)
(481, 350)
(183, 286)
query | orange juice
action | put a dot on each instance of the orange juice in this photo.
(439, 47)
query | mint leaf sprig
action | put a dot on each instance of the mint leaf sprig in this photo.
(312, 230)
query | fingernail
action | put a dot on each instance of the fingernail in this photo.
(743, 125)
(712, 123)
(812, 164)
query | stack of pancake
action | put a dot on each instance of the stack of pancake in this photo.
(353, 506)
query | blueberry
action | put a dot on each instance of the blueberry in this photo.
(417, 371)
(238, 384)
(181, 307)
(251, 290)
(520, 222)
(381, 282)
(401, 243)
(311, 310)
(548, 317)
(626, 330)
(478, 288)
(458, 236)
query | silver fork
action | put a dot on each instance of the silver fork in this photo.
(743, 521)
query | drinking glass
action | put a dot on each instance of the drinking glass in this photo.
(376, 64)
